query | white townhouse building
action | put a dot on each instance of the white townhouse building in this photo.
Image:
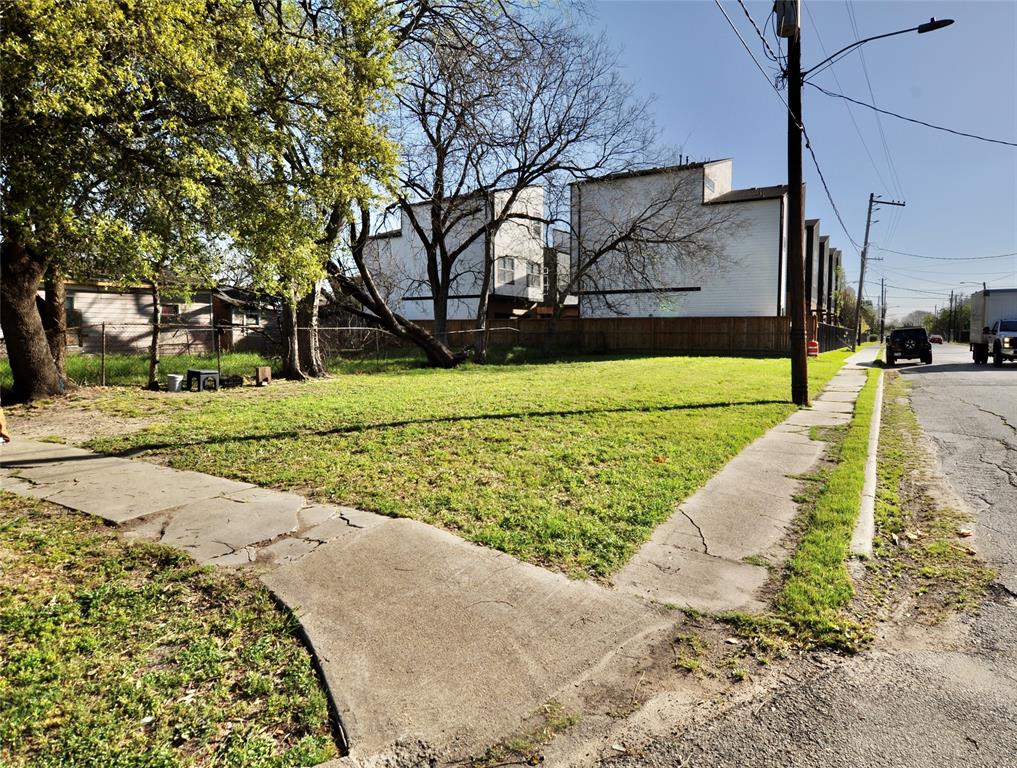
(519, 279)
(749, 277)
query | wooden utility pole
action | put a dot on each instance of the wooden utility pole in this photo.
(874, 202)
(949, 320)
(791, 29)
(882, 309)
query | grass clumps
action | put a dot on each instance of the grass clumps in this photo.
(922, 541)
(817, 587)
(130, 655)
(552, 719)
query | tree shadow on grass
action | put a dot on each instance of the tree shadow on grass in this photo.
(367, 427)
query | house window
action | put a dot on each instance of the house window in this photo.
(252, 319)
(505, 272)
(535, 275)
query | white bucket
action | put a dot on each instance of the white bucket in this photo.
(173, 382)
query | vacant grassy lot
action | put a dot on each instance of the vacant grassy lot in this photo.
(114, 654)
(569, 465)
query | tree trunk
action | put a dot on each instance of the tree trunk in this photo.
(32, 368)
(291, 342)
(480, 336)
(551, 333)
(153, 349)
(56, 320)
(365, 293)
(309, 343)
(440, 304)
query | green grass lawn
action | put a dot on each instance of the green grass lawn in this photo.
(131, 656)
(570, 465)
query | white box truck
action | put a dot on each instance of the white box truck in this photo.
(994, 326)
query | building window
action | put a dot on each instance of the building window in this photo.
(535, 275)
(170, 311)
(505, 272)
(252, 319)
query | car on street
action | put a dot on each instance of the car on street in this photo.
(935, 339)
(908, 344)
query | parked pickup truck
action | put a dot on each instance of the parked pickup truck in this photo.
(994, 311)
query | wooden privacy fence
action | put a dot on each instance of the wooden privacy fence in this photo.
(700, 335)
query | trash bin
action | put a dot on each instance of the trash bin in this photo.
(173, 382)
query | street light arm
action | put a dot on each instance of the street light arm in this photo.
(853, 45)
(930, 26)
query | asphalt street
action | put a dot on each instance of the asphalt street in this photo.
(971, 413)
(931, 701)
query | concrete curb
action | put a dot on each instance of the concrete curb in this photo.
(865, 527)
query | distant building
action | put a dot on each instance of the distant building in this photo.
(124, 315)
(748, 279)
(518, 283)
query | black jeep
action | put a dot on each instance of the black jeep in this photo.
(908, 344)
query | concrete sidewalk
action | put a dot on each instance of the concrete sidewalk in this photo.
(424, 639)
(421, 636)
(710, 554)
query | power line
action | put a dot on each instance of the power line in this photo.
(896, 215)
(912, 119)
(752, 55)
(945, 258)
(826, 188)
(883, 270)
(808, 142)
(917, 290)
(851, 114)
(879, 123)
(769, 51)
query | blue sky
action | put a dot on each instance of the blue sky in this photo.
(961, 194)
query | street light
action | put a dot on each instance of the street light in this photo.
(930, 26)
(787, 25)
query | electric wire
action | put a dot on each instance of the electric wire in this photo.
(912, 119)
(879, 123)
(945, 258)
(805, 134)
(854, 122)
(769, 51)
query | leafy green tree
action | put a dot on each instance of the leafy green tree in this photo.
(313, 152)
(102, 99)
(116, 114)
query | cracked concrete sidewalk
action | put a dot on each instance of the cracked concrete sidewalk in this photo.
(712, 553)
(425, 641)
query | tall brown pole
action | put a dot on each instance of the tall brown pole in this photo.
(796, 224)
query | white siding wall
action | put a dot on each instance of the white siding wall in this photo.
(128, 318)
(810, 251)
(716, 179)
(745, 281)
(523, 241)
(401, 266)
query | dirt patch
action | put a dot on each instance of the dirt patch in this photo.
(76, 418)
